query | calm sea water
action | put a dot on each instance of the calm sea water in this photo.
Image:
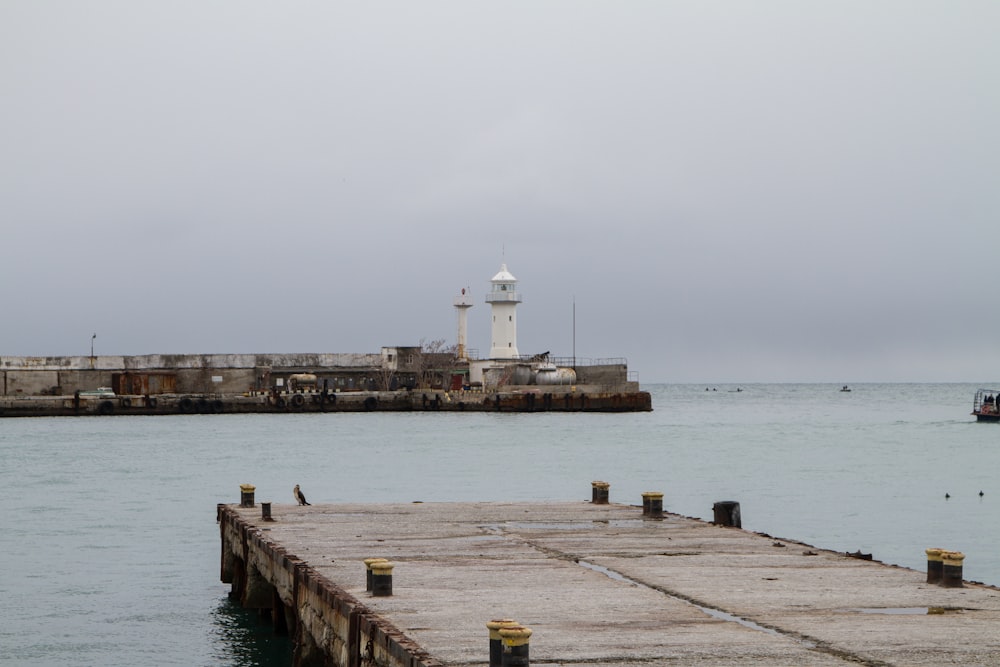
(110, 550)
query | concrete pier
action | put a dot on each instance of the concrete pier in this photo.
(596, 584)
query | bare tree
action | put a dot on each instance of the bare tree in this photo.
(385, 373)
(432, 362)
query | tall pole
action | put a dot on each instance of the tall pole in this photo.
(92, 350)
(574, 332)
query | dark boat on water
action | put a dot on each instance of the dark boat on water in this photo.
(986, 405)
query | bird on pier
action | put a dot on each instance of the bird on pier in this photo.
(299, 496)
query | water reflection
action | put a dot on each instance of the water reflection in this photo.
(245, 639)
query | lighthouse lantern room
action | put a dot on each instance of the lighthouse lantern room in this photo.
(503, 299)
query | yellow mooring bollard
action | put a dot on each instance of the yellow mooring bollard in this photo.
(496, 642)
(599, 492)
(935, 565)
(951, 570)
(382, 578)
(515, 646)
(368, 570)
(652, 504)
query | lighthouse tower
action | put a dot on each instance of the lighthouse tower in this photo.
(504, 299)
(462, 305)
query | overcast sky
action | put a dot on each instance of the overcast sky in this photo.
(728, 191)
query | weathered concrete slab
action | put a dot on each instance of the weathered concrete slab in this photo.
(600, 584)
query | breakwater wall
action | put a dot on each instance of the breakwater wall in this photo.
(176, 373)
(572, 399)
(234, 374)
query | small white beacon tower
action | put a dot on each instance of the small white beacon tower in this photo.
(504, 299)
(462, 304)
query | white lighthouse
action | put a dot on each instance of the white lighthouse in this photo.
(462, 304)
(504, 299)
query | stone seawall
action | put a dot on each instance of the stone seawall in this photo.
(234, 374)
(579, 399)
(181, 373)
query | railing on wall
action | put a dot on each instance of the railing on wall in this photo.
(584, 361)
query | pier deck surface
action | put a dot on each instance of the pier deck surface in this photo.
(601, 585)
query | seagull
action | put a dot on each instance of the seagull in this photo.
(946, 495)
(299, 496)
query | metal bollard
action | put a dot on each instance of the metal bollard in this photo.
(382, 578)
(727, 513)
(496, 643)
(368, 570)
(652, 504)
(265, 511)
(515, 646)
(246, 495)
(951, 570)
(599, 492)
(935, 565)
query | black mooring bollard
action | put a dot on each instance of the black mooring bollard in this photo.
(652, 504)
(515, 646)
(935, 565)
(496, 642)
(951, 570)
(599, 493)
(382, 578)
(368, 570)
(265, 511)
(246, 495)
(727, 513)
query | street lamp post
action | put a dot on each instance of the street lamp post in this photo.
(92, 350)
